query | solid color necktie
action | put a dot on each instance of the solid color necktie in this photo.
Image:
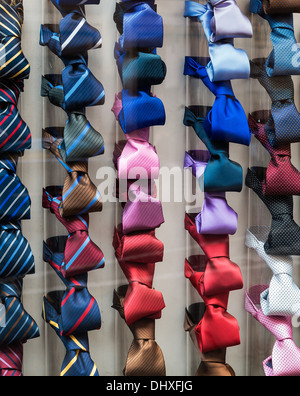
(226, 61)
(216, 216)
(11, 360)
(213, 363)
(285, 49)
(80, 253)
(227, 120)
(281, 178)
(145, 357)
(285, 357)
(283, 126)
(281, 298)
(281, 7)
(221, 174)
(283, 238)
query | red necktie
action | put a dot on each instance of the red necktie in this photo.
(11, 359)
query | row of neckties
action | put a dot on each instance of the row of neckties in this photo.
(16, 261)
(212, 273)
(136, 247)
(73, 312)
(274, 304)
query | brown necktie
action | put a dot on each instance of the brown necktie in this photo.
(144, 357)
(281, 6)
(80, 195)
(213, 362)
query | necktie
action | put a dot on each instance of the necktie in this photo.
(80, 253)
(221, 174)
(14, 198)
(15, 135)
(281, 61)
(79, 195)
(279, 7)
(213, 273)
(145, 357)
(285, 357)
(77, 362)
(283, 126)
(216, 216)
(213, 363)
(281, 298)
(11, 360)
(75, 2)
(18, 324)
(226, 61)
(281, 177)
(283, 238)
(227, 120)
(13, 62)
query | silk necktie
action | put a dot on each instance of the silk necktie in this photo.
(281, 7)
(281, 298)
(283, 238)
(216, 216)
(145, 357)
(80, 253)
(283, 126)
(281, 177)
(213, 363)
(221, 174)
(285, 357)
(227, 120)
(11, 360)
(283, 59)
(75, 2)
(226, 61)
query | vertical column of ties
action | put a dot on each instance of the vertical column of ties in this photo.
(136, 247)
(16, 258)
(73, 312)
(212, 273)
(277, 303)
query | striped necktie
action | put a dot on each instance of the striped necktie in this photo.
(13, 62)
(14, 198)
(11, 360)
(15, 135)
(80, 195)
(18, 324)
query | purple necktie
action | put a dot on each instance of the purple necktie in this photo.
(285, 358)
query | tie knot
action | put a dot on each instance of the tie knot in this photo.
(143, 329)
(9, 162)
(11, 289)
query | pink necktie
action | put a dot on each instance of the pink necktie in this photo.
(285, 358)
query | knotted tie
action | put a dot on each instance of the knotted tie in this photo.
(18, 324)
(145, 357)
(14, 198)
(75, 2)
(80, 253)
(226, 62)
(283, 126)
(79, 195)
(227, 120)
(283, 238)
(281, 298)
(281, 177)
(285, 357)
(216, 216)
(280, 7)
(213, 363)
(221, 174)
(11, 360)
(283, 60)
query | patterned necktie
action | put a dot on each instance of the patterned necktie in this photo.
(285, 357)
(283, 126)
(227, 120)
(221, 174)
(145, 357)
(213, 363)
(216, 216)
(226, 61)
(80, 253)
(281, 177)
(14, 198)
(13, 62)
(279, 7)
(79, 195)
(283, 238)
(18, 324)
(281, 298)
(11, 360)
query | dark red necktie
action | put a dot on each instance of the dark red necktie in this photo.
(11, 358)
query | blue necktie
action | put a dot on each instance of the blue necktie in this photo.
(227, 120)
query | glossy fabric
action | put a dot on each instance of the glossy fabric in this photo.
(11, 360)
